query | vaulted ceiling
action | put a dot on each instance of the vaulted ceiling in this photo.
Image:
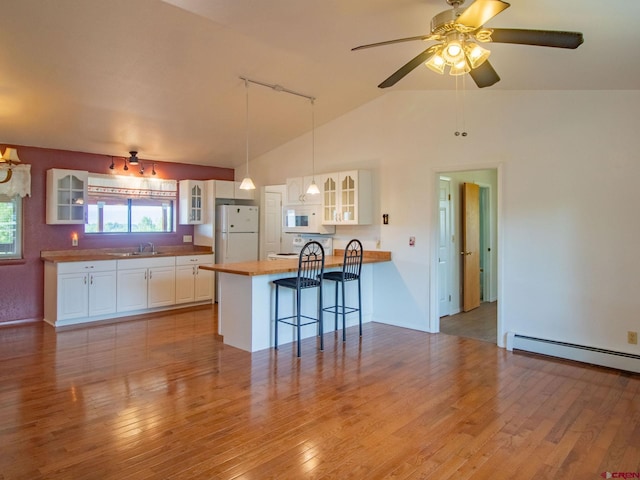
(162, 77)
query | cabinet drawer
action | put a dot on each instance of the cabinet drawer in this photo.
(146, 263)
(194, 259)
(80, 267)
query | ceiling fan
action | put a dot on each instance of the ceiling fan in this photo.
(457, 32)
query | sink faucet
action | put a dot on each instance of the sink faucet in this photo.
(144, 245)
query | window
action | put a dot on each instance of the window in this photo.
(118, 204)
(10, 227)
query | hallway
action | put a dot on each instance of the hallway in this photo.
(480, 323)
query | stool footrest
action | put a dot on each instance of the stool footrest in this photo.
(340, 309)
(284, 320)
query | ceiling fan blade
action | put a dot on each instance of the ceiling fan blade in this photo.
(398, 40)
(408, 67)
(480, 12)
(484, 75)
(542, 38)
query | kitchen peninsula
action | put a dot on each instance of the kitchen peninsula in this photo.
(246, 299)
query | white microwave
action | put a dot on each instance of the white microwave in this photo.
(305, 219)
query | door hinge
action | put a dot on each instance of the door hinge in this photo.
(449, 195)
(449, 297)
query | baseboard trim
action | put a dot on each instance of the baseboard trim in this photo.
(581, 353)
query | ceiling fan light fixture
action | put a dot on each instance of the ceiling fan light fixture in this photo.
(436, 63)
(476, 55)
(453, 52)
(459, 68)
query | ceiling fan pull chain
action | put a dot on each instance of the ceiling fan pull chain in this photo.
(464, 98)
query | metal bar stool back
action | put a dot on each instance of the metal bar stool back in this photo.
(310, 271)
(351, 269)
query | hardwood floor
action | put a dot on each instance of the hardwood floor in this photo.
(480, 323)
(165, 398)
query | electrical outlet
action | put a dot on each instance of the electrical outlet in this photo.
(187, 238)
(632, 338)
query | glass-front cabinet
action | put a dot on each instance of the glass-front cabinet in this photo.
(191, 202)
(66, 196)
(346, 198)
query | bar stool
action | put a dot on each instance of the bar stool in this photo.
(351, 268)
(310, 270)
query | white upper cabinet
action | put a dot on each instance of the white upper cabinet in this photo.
(192, 197)
(66, 196)
(346, 198)
(230, 189)
(297, 191)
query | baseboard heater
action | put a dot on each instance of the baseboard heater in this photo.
(596, 356)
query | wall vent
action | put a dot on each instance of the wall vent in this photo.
(596, 356)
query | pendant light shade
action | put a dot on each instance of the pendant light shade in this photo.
(247, 183)
(313, 188)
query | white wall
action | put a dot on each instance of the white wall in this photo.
(568, 220)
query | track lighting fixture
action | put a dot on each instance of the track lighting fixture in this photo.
(133, 159)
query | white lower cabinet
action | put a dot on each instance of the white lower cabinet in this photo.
(76, 290)
(146, 283)
(86, 291)
(193, 284)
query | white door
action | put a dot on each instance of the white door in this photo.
(444, 247)
(272, 222)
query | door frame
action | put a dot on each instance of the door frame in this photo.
(436, 172)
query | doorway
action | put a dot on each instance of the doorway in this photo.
(448, 289)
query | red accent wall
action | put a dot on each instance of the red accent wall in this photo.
(22, 283)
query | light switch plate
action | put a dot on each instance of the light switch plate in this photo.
(187, 238)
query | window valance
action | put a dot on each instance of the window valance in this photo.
(138, 187)
(20, 182)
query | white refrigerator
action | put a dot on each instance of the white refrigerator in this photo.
(236, 233)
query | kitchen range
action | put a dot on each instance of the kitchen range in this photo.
(299, 242)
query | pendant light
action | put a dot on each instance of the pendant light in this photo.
(313, 188)
(247, 183)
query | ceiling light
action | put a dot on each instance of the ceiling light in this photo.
(10, 156)
(437, 63)
(247, 183)
(133, 159)
(460, 68)
(476, 55)
(453, 52)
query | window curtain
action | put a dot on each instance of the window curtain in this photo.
(20, 183)
(135, 187)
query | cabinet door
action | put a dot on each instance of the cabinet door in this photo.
(73, 299)
(242, 194)
(66, 196)
(191, 202)
(225, 189)
(162, 287)
(131, 290)
(329, 192)
(185, 283)
(203, 285)
(102, 293)
(294, 191)
(347, 186)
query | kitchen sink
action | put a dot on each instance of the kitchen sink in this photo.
(135, 254)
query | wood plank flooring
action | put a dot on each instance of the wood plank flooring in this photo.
(479, 323)
(164, 398)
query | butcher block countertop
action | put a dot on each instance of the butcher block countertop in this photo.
(271, 267)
